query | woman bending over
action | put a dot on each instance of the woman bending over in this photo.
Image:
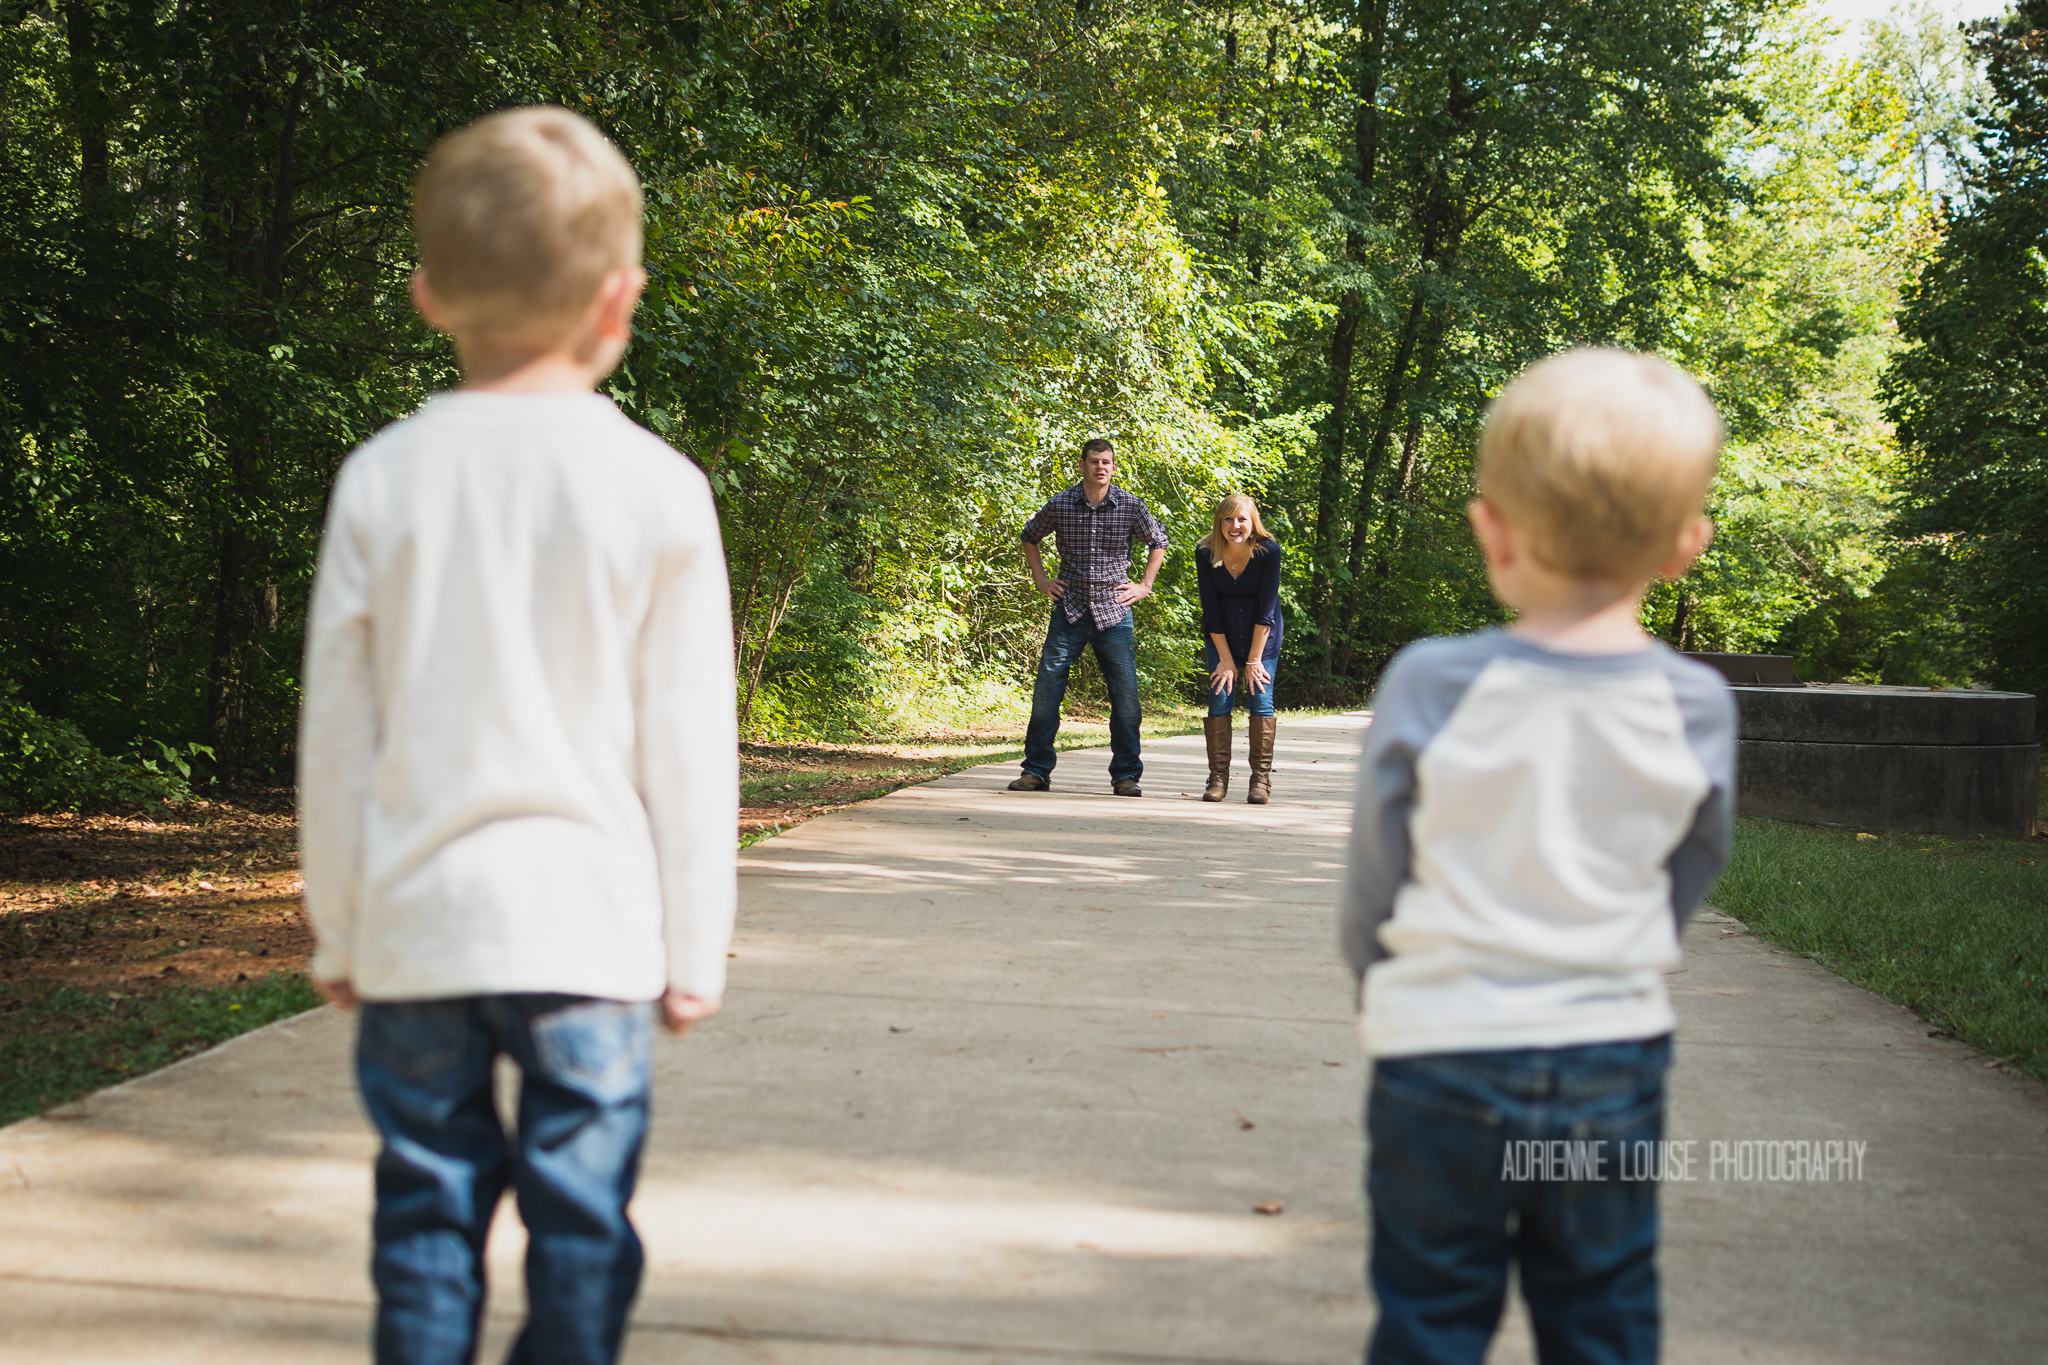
(1237, 566)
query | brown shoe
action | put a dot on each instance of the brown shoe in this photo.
(1260, 789)
(1127, 787)
(1216, 730)
(1031, 782)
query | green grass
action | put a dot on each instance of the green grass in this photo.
(1954, 929)
(60, 1042)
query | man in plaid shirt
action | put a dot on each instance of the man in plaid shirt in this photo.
(1097, 524)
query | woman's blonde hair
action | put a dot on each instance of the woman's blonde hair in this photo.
(1214, 542)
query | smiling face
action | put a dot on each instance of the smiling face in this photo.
(1098, 467)
(1236, 527)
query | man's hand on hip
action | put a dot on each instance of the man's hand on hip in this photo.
(1127, 593)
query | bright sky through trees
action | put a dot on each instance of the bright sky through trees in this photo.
(1854, 14)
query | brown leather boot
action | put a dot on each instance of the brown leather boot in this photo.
(1260, 788)
(1216, 729)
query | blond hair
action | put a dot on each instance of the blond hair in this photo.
(1214, 541)
(1600, 457)
(520, 216)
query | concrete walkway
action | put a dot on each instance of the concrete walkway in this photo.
(1002, 1078)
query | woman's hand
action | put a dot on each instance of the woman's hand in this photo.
(1257, 674)
(1223, 678)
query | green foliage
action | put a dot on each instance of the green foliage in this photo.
(1970, 392)
(49, 765)
(1950, 929)
(905, 255)
(1405, 205)
(60, 1042)
(1791, 328)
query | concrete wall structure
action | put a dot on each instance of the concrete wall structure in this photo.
(1923, 760)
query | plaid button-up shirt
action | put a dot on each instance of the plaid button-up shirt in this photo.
(1095, 548)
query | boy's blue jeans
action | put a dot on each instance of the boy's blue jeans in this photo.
(1257, 701)
(1116, 653)
(1446, 1223)
(426, 1073)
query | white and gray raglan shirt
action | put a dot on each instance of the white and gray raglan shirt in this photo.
(1533, 830)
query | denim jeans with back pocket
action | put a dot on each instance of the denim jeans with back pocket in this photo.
(426, 1073)
(1454, 1203)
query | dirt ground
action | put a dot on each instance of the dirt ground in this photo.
(209, 894)
(204, 895)
(785, 784)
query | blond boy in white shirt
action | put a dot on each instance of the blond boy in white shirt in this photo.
(518, 767)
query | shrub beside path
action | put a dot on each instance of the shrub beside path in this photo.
(1005, 1078)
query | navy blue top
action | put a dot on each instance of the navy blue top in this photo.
(1231, 606)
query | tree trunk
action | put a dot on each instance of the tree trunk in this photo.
(223, 681)
(88, 102)
(1393, 389)
(792, 530)
(1683, 636)
(1330, 486)
(1365, 146)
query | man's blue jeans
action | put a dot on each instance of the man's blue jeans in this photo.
(1257, 701)
(1448, 1214)
(1116, 653)
(426, 1073)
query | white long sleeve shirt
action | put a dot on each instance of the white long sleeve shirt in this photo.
(518, 761)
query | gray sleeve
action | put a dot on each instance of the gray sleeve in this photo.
(1712, 730)
(1416, 695)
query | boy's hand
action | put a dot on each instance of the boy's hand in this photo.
(340, 994)
(679, 1011)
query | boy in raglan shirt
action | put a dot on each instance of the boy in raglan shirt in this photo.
(1541, 808)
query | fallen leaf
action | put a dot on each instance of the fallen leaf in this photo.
(1270, 1207)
